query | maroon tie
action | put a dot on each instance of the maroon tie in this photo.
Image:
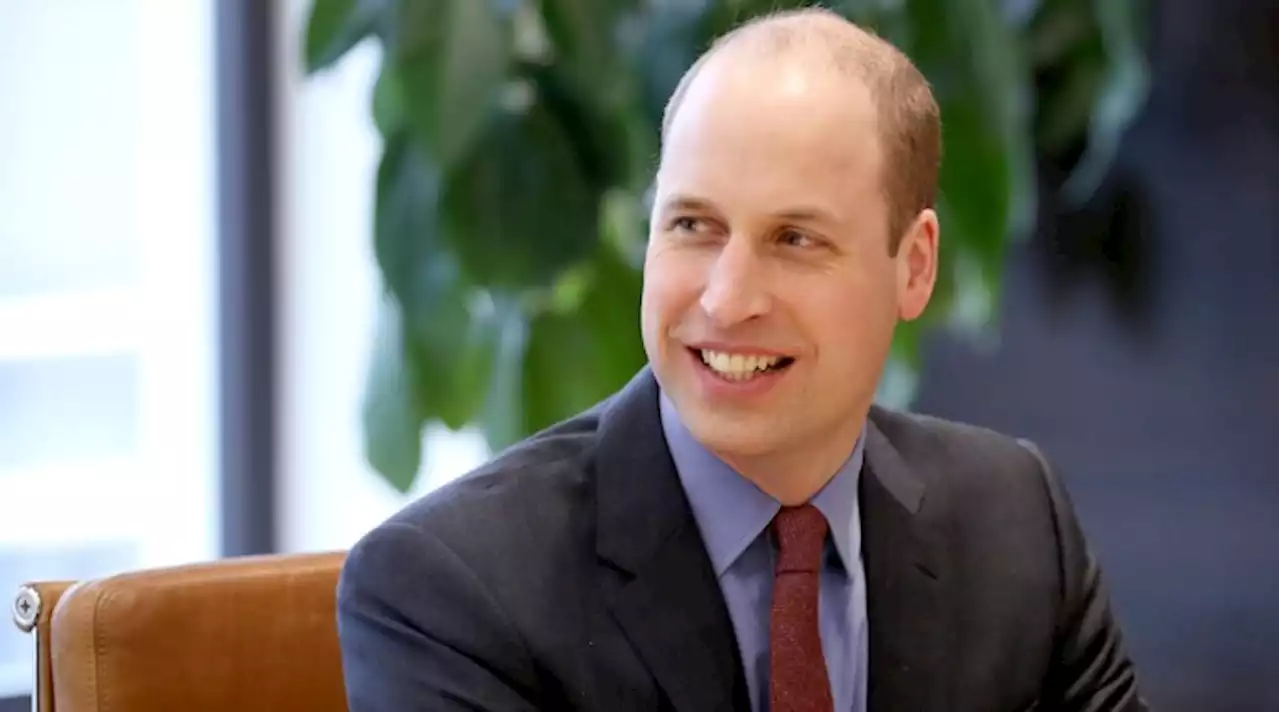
(798, 679)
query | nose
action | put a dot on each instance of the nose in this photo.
(735, 291)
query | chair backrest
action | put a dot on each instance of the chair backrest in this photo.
(248, 634)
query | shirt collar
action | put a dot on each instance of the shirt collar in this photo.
(731, 511)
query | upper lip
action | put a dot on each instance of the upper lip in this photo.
(737, 349)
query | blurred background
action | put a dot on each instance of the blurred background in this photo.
(196, 300)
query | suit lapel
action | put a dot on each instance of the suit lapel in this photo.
(656, 575)
(909, 623)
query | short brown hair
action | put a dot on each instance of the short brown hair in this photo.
(908, 116)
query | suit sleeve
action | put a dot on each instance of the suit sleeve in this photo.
(1092, 671)
(419, 631)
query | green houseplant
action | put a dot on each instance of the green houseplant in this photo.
(520, 138)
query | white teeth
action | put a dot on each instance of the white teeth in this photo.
(737, 366)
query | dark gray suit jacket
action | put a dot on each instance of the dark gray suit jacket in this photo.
(569, 574)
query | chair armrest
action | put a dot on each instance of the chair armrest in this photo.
(33, 608)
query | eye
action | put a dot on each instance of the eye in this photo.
(795, 238)
(686, 224)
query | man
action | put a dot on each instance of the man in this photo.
(740, 528)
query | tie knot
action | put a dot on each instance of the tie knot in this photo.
(801, 533)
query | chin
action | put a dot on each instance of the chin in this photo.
(729, 436)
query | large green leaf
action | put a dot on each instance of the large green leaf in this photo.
(668, 38)
(974, 185)
(727, 15)
(1056, 30)
(560, 370)
(503, 419)
(611, 312)
(333, 28)
(448, 340)
(624, 225)
(590, 89)
(595, 134)
(1067, 102)
(451, 57)
(518, 210)
(1120, 98)
(454, 350)
(986, 182)
(1066, 53)
(406, 225)
(391, 417)
(568, 353)
(583, 34)
(1001, 75)
(387, 104)
(576, 359)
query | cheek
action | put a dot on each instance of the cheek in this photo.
(671, 285)
(851, 321)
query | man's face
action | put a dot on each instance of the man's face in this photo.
(770, 297)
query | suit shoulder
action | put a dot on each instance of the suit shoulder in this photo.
(545, 473)
(991, 493)
(913, 430)
(961, 454)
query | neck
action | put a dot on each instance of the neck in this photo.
(793, 477)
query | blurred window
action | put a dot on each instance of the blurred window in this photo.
(107, 304)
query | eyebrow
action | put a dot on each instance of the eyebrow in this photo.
(807, 213)
(686, 202)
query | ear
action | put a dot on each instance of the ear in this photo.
(917, 265)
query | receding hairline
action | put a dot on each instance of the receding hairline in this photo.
(814, 35)
(907, 114)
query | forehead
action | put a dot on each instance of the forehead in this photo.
(773, 130)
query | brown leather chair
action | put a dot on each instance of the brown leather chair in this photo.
(247, 634)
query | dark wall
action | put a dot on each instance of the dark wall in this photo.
(1156, 392)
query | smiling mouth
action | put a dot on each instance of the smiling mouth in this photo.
(741, 367)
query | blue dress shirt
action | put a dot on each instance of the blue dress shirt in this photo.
(733, 516)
